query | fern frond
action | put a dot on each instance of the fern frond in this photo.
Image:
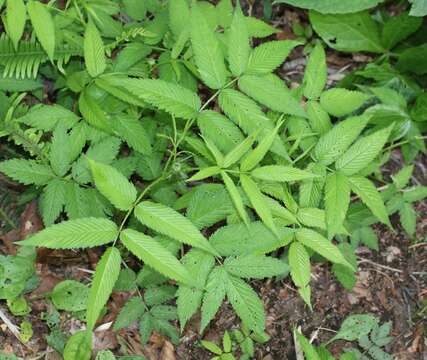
(26, 60)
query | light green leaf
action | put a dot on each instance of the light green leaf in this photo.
(281, 173)
(271, 93)
(418, 8)
(156, 256)
(131, 130)
(256, 155)
(52, 201)
(172, 98)
(299, 262)
(355, 326)
(205, 173)
(43, 25)
(27, 171)
(321, 245)
(363, 151)
(235, 196)
(258, 28)
(106, 274)
(113, 185)
(316, 73)
(241, 149)
(93, 51)
(214, 295)
(131, 311)
(408, 218)
(254, 266)
(238, 43)
(257, 200)
(207, 52)
(337, 201)
(179, 16)
(336, 141)
(333, 6)
(310, 190)
(308, 349)
(79, 346)
(16, 15)
(167, 221)
(93, 113)
(349, 32)
(403, 176)
(318, 118)
(79, 233)
(60, 150)
(265, 58)
(370, 196)
(398, 28)
(340, 102)
(245, 303)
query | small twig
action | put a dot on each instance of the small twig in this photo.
(363, 260)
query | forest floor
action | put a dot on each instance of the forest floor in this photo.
(391, 283)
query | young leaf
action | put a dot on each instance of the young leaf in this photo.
(299, 262)
(241, 149)
(106, 274)
(254, 266)
(245, 303)
(172, 98)
(27, 171)
(363, 151)
(238, 43)
(336, 141)
(340, 102)
(214, 295)
(256, 155)
(43, 25)
(79, 346)
(235, 196)
(257, 200)
(321, 245)
(370, 196)
(52, 201)
(94, 51)
(281, 173)
(156, 256)
(80, 233)
(205, 173)
(337, 200)
(316, 73)
(271, 93)
(113, 185)
(207, 52)
(167, 221)
(266, 57)
(16, 15)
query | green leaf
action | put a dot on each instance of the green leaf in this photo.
(213, 348)
(235, 196)
(366, 236)
(131, 130)
(179, 16)
(337, 201)
(258, 28)
(409, 60)
(402, 178)
(79, 346)
(169, 222)
(398, 28)
(241, 149)
(266, 57)
(131, 311)
(52, 201)
(299, 261)
(418, 8)
(106, 274)
(316, 73)
(156, 256)
(355, 326)
(93, 113)
(321, 245)
(113, 185)
(333, 7)
(60, 150)
(363, 151)
(207, 52)
(254, 266)
(370, 196)
(256, 155)
(245, 303)
(27, 171)
(80, 233)
(336, 141)
(94, 51)
(349, 32)
(205, 173)
(214, 295)
(43, 26)
(70, 295)
(172, 98)
(408, 218)
(281, 173)
(238, 43)
(271, 93)
(415, 193)
(16, 15)
(340, 102)
(308, 349)
(257, 200)
(318, 118)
